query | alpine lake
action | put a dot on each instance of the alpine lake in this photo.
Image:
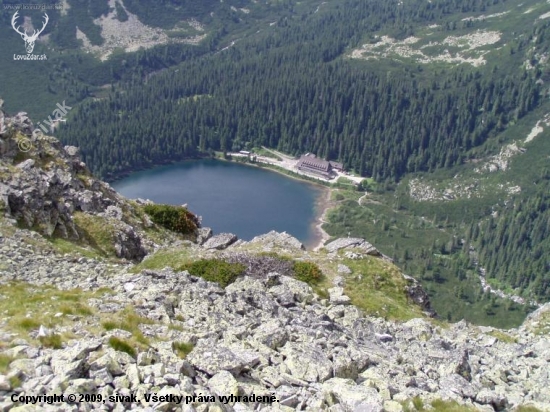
(232, 197)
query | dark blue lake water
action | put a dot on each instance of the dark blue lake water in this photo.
(231, 197)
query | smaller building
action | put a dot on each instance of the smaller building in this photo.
(337, 166)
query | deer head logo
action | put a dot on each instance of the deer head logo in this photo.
(29, 40)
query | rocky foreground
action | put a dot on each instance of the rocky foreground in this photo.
(258, 336)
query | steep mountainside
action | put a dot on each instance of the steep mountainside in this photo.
(265, 322)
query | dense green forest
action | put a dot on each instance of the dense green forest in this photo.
(514, 245)
(289, 89)
(280, 75)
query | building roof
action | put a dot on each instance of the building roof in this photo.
(314, 163)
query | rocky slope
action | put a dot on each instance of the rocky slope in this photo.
(73, 321)
(46, 187)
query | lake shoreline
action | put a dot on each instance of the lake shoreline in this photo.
(323, 206)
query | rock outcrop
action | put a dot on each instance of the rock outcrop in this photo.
(43, 185)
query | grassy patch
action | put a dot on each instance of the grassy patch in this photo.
(526, 408)
(437, 405)
(97, 232)
(53, 341)
(164, 258)
(450, 406)
(64, 246)
(129, 321)
(502, 336)
(215, 270)
(182, 348)
(15, 382)
(378, 288)
(5, 362)
(27, 306)
(122, 346)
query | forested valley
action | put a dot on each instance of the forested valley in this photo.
(282, 76)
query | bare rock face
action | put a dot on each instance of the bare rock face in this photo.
(203, 234)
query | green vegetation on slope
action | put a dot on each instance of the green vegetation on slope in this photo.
(175, 218)
(215, 270)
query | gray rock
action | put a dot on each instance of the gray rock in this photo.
(223, 384)
(337, 296)
(384, 337)
(282, 240)
(4, 384)
(344, 269)
(488, 397)
(352, 397)
(221, 241)
(307, 362)
(203, 234)
(271, 334)
(215, 359)
(346, 243)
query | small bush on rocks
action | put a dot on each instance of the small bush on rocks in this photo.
(308, 272)
(15, 382)
(258, 266)
(174, 218)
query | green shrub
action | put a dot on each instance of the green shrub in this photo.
(182, 348)
(175, 218)
(215, 270)
(308, 272)
(122, 346)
